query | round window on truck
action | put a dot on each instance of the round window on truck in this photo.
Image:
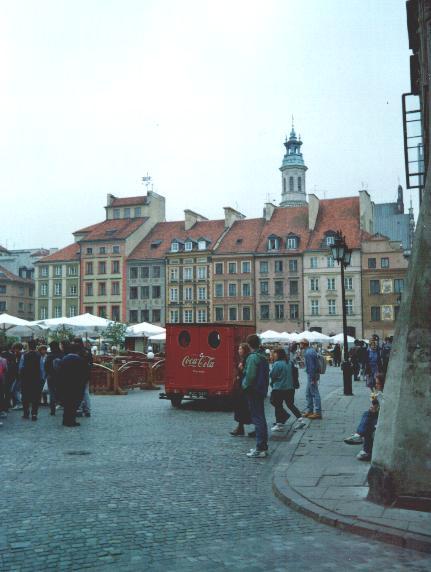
(184, 338)
(214, 339)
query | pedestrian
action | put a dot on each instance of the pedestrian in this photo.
(87, 356)
(282, 377)
(3, 385)
(13, 375)
(312, 395)
(373, 363)
(42, 349)
(72, 377)
(386, 352)
(241, 410)
(31, 381)
(52, 366)
(337, 355)
(255, 384)
(355, 356)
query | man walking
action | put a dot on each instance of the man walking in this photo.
(312, 395)
(31, 379)
(255, 384)
(72, 377)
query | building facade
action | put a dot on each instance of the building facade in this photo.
(16, 295)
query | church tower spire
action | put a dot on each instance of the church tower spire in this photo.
(293, 172)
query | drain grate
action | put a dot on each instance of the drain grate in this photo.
(77, 453)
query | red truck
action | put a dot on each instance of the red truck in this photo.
(201, 360)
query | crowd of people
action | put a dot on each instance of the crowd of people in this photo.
(57, 374)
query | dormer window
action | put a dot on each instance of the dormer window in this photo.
(188, 245)
(273, 243)
(175, 246)
(292, 242)
(202, 244)
(330, 239)
(117, 213)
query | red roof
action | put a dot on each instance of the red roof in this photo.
(285, 221)
(66, 254)
(337, 214)
(158, 242)
(243, 236)
(112, 229)
(7, 275)
(129, 201)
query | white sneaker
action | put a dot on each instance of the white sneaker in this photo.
(363, 456)
(354, 439)
(255, 454)
(300, 423)
(278, 427)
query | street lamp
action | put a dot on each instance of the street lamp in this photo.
(342, 254)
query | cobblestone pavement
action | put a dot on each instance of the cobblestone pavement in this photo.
(142, 486)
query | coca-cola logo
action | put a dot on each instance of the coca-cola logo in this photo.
(200, 361)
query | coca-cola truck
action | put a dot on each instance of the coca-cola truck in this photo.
(201, 360)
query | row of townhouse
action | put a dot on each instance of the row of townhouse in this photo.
(275, 272)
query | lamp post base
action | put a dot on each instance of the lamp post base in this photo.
(347, 370)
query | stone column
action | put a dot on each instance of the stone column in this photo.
(401, 462)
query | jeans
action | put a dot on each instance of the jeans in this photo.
(366, 428)
(86, 406)
(256, 404)
(312, 396)
(278, 396)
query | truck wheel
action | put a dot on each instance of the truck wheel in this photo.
(176, 402)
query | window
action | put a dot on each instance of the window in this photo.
(145, 292)
(349, 307)
(201, 316)
(145, 272)
(21, 306)
(273, 243)
(278, 287)
(3, 306)
(57, 311)
(44, 270)
(293, 265)
(202, 245)
(134, 272)
(133, 316)
(115, 288)
(398, 285)
(89, 288)
(188, 293)
(102, 289)
(145, 315)
(264, 311)
(57, 289)
(115, 313)
(371, 263)
(396, 312)
(263, 266)
(232, 314)
(232, 289)
(102, 267)
(202, 293)
(313, 262)
(291, 184)
(88, 309)
(188, 273)
(292, 242)
(156, 271)
(384, 263)
(115, 249)
(43, 312)
(284, 185)
(293, 287)
(293, 311)
(246, 313)
(279, 311)
(102, 250)
(218, 268)
(137, 213)
(117, 213)
(188, 245)
(175, 246)
(231, 267)
(133, 293)
(58, 270)
(88, 268)
(188, 316)
(156, 316)
(330, 240)
(73, 290)
(245, 267)
(331, 283)
(246, 289)
(72, 271)
(330, 262)
(72, 311)
(43, 289)
(219, 314)
(202, 272)
(89, 251)
(218, 289)
(173, 274)
(314, 307)
(374, 286)
(173, 294)
(348, 283)
(127, 212)
(264, 287)
(375, 313)
(175, 316)
(299, 185)
(278, 266)
(115, 267)
(314, 284)
(331, 307)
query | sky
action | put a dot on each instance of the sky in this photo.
(199, 94)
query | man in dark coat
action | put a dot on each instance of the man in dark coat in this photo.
(52, 365)
(31, 380)
(72, 377)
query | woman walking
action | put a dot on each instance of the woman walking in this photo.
(241, 410)
(31, 378)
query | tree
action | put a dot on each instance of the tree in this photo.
(115, 333)
(62, 333)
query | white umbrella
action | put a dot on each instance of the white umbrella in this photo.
(88, 321)
(7, 322)
(270, 336)
(144, 329)
(339, 338)
(158, 337)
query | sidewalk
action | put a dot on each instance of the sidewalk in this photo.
(320, 476)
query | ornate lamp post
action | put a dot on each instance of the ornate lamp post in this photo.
(342, 254)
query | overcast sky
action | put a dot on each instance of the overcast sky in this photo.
(198, 93)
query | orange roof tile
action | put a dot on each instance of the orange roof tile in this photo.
(283, 222)
(66, 254)
(7, 275)
(337, 214)
(129, 201)
(243, 236)
(112, 229)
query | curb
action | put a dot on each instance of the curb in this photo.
(291, 498)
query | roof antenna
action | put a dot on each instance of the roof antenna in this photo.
(148, 182)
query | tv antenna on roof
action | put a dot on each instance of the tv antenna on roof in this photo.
(147, 181)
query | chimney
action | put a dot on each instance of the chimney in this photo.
(190, 218)
(313, 210)
(109, 199)
(268, 210)
(231, 215)
(366, 212)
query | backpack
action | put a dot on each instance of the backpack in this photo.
(322, 364)
(262, 377)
